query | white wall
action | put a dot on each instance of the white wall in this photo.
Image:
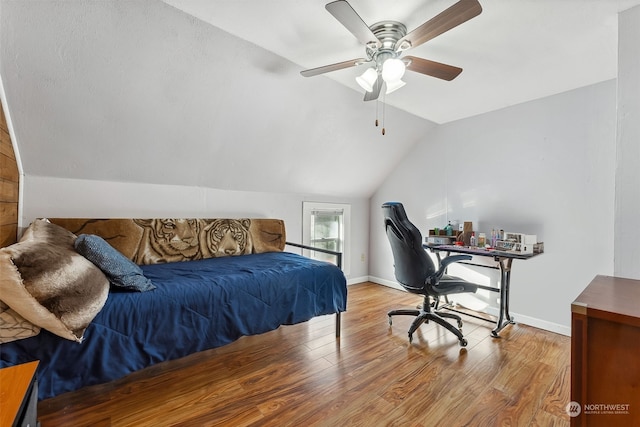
(58, 197)
(138, 91)
(627, 219)
(545, 167)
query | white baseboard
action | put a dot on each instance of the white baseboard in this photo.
(519, 318)
(390, 283)
(355, 280)
(542, 324)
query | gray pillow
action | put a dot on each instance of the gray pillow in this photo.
(44, 280)
(120, 270)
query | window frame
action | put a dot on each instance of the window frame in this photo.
(307, 211)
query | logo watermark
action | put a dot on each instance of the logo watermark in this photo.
(573, 409)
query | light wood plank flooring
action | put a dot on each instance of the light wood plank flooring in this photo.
(300, 375)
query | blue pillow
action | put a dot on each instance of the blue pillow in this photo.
(120, 270)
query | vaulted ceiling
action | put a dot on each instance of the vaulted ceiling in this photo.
(514, 51)
(209, 93)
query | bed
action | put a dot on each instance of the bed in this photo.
(206, 299)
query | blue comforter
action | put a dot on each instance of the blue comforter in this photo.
(198, 305)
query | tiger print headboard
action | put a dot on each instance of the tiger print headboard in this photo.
(159, 240)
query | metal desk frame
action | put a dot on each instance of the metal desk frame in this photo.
(504, 260)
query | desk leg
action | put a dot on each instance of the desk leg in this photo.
(504, 318)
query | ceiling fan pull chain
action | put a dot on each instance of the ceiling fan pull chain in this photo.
(384, 98)
(377, 102)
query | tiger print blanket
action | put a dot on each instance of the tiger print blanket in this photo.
(160, 240)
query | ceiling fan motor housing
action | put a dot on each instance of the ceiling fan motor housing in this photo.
(388, 32)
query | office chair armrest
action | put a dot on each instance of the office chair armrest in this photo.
(433, 280)
(454, 258)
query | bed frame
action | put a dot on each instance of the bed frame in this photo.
(9, 231)
(338, 256)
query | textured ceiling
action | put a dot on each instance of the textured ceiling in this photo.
(209, 94)
(139, 91)
(514, 51)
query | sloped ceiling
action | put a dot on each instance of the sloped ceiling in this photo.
(208, 93)
(139, 91)
(514, 51)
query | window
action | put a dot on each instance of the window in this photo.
(326, 226)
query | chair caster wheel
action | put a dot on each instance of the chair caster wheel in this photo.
(459, 324)
(463, 342)
(410, 338)
(390, 321)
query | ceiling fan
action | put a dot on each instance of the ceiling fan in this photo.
(385, 42)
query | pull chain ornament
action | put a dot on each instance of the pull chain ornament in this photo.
(384, 98)
(383, 108)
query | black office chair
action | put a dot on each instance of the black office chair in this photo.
(416, 272)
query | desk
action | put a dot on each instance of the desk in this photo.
(504, 261)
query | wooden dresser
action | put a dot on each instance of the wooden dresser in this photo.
(19, 396)
(605, 354)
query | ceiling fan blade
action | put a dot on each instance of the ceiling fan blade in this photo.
(343, 12)
(450, 18)
(375, 93)
(332, 67)
(432, 68)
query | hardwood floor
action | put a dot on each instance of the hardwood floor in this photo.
(301, 375)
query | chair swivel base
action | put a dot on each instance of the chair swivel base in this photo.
(423, 316)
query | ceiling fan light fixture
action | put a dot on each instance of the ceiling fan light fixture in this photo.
(385, 43)
(393, 86)
(392, 70)
(367, 79)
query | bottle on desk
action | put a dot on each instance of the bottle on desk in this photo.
(449, 229)
(472, 240)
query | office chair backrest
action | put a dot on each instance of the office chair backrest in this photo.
(412, 263)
